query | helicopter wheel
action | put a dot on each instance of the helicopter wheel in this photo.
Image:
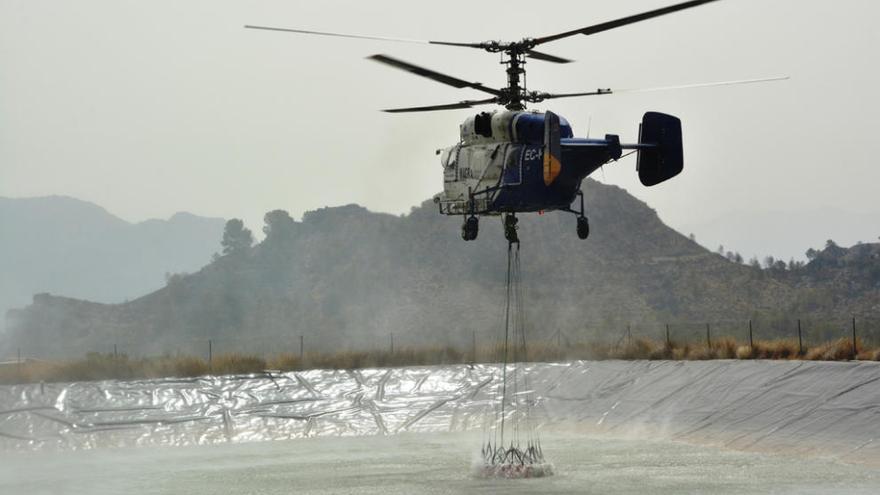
(510, 227)
(583, 227)
(470, 228)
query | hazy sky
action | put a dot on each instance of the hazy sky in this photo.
(148, 108)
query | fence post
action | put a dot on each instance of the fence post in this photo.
(668, 343)
(629, 335)
(751, 340)
(474, 344)
(708, 337)
(800, 340)
(855, 351)
(115, 354)
(392, 342)
(18, 365)
(210, 354)
(301, 349)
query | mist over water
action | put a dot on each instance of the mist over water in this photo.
(425, 463)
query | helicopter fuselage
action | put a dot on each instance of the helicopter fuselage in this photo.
(501, 165)
(515, 160)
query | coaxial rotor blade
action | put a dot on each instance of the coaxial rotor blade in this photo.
(536, 97)
(703, 85)
(605, 26)
(430, 74)
(547, 57)
(367, 37)
(450, 106)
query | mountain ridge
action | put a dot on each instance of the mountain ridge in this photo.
(345, 277)
(74, 247)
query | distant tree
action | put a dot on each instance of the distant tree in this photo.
(833, 252)
(738, 258)
(754, 263)
(720, 250)
(693, 238)
(730, 256)
(779, 266)
(278, 226)
(174, 278)
(236, 237)
(812, 254)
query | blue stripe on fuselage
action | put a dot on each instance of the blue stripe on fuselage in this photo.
(580, 158)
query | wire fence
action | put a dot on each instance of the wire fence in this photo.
(806, 332)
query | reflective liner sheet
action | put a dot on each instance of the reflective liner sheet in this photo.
(809, 407)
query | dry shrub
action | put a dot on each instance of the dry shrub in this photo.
(28, 371)
(700, 353)
(168, 366)
(636, 349)
(597, 351)
(744, 352)
(838, 350)
(870, 355)
(190, 366)
(285, 362)
(542, 352)
(681, 353)
(725, 348)
(94, 367)
(237, 364)
(775, 349)
(663, 352)
(103, 367)
(429, 356)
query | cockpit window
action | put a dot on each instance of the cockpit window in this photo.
(449, 159)
(449, 156)
(512, 172)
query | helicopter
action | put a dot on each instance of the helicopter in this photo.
(515, 160)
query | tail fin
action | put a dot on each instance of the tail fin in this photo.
(552, 148)
(662, 158)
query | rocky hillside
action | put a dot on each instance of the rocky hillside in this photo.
(346, 278)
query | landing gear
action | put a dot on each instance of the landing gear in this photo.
(583, 227)
(510, 227)
(470, 228)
